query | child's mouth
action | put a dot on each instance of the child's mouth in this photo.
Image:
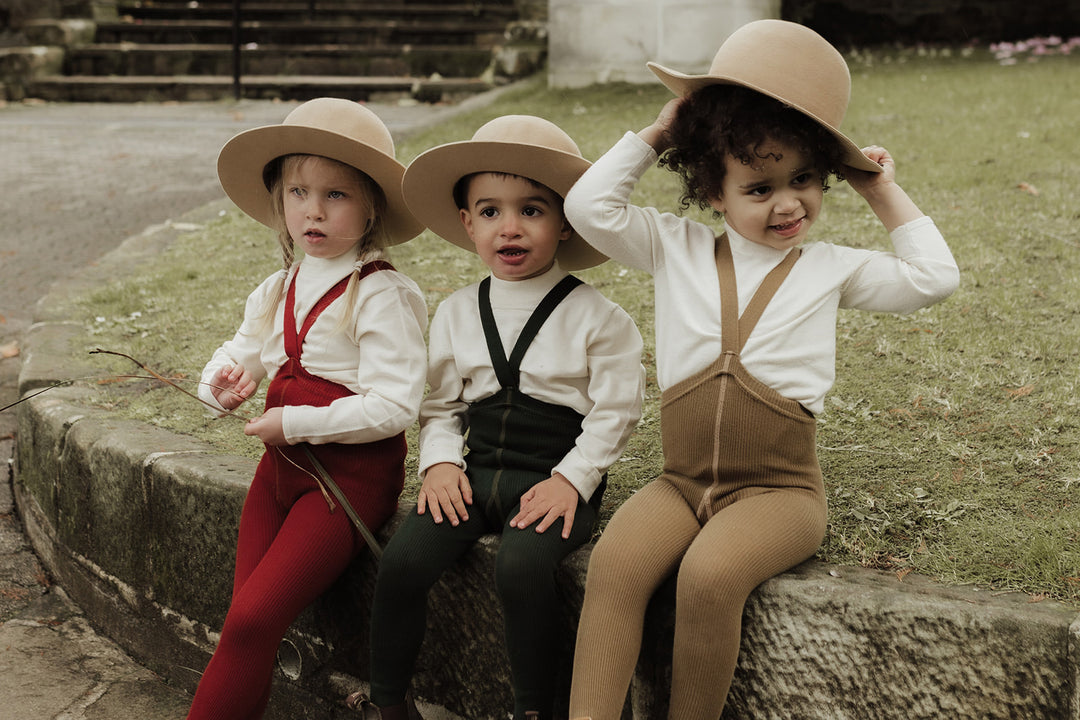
(511, 253)
(788, 229)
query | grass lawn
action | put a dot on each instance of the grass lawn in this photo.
(950, 442)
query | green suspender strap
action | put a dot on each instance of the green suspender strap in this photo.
(508, 370)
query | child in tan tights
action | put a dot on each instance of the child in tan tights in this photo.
(745, 346)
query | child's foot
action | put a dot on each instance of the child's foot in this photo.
(370, 711)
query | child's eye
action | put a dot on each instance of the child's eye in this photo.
(803, 178)
(760, 191)
(335, 195)
(531, 211)
(488, 212)
(296, 192)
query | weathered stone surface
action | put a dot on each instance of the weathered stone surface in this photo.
(61, 33)
(19, 63)
(847, 643)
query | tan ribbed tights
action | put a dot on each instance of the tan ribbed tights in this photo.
(656, 533)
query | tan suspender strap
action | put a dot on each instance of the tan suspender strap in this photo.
(729, 294)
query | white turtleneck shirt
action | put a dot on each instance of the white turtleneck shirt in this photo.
(374, 348)
(793, 346)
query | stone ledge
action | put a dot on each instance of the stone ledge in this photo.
(139, 526)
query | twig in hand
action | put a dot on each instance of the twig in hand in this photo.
(167, 381)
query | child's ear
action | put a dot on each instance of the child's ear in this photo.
(717, 204)
(466, 220)
(566, 231)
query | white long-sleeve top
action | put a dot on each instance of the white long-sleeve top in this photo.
(793, 347)
(374, 348)
(586, 356)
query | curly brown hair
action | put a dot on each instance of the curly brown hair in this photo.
(721, 120)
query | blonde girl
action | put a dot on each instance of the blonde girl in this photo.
(340, 336)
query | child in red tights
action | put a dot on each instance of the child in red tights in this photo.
(340, 335)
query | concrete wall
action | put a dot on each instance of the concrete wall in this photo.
(139, 527)
(594, 41)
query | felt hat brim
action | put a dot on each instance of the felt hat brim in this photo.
(788, 62)
(334, 128)
(520, 145)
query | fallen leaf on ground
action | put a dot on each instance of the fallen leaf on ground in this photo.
(1028, 188)
(10, 350)
(1022, 391)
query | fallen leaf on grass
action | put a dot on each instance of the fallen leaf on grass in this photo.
(1021, 391)
(901, 574)
(1028, 188)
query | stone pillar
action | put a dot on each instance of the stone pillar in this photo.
(611, 40)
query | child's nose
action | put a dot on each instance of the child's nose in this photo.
(511, 227)
(787, 202)
(315, 209)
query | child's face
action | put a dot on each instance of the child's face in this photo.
(516, 225)
(327, 208)
(771, 202)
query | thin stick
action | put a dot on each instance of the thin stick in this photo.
(167, 381)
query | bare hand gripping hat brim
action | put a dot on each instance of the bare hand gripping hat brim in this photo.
(523, 145)
(334, 128)
(788, 62)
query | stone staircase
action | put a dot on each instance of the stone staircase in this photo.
(430, 50)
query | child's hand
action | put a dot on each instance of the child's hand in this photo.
(551, 499)
(446, 489)
(862, 181)
(659, 133)
(267, 427)
(232, 385)
(881, 192)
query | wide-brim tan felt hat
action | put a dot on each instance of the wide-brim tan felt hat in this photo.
(335, 128)
(523, 145)
(788, 62)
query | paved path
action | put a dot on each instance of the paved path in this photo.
(75, 181)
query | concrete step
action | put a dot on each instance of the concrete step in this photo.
(63, 88)
(129, 59)
(306, 10)
(315, 32)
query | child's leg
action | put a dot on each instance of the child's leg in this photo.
(740, 547)
(260, 520)
(525, 580)
(641, 546)
(414, 559)
(310, 551)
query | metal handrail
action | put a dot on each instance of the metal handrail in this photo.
(237, 25)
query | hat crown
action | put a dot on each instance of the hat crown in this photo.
(792, 63)
(334, 128)
(343, 117)
(527, 130)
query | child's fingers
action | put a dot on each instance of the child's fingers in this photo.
(525, 518)
(568, 521)
(554, 514)
(457, 507)
(466, 489)
(448, 505)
